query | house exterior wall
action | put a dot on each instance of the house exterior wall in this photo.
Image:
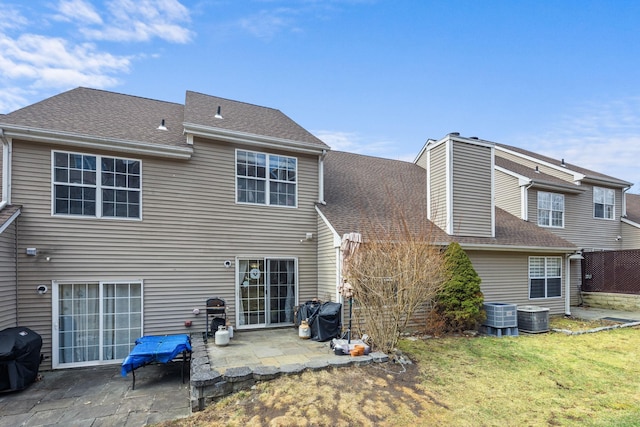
(8, 277)
(437, 177)
(630, 236)
(472, 174)
(580, 227)
(505, 278)
(508, 195)
(327, 262)
(191, 224)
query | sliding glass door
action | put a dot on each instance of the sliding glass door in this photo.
(266, 291)
(96, 322)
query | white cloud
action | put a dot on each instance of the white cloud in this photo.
(78, 10)
(267, 23)
(11, 18)
(356, 143)
(142, 20)
(603, 137)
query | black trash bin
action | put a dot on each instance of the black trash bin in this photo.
(19, 358)
(325, 322)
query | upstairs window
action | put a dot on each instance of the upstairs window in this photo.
(96, 186)
(603, 202)
(266, 179)
(545, 277)
(550, 209)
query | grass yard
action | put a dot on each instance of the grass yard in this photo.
(548, 379)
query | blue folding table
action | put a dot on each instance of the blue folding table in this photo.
(156, 349)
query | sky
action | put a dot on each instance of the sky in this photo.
(375, 77)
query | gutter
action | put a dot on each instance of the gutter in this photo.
(321, 177)
(6, 170)
(252, 139)
(98, 143)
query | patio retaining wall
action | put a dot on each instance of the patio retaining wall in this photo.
(208, 385)
(625, 302)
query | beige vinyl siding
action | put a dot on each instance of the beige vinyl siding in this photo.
(8, 279)
(630, 236)
(472, 187)
(327, 262)
(508, 195)
(438, 185)
(580, 227)
(566, 176)
(191, 225)
(505, 278)
(422, 160)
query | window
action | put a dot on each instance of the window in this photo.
(95, 322)
(603, 202)
(550, 209)
(96, 186)
(266, 179)
(545, 277)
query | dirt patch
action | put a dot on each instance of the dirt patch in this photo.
(378, 394)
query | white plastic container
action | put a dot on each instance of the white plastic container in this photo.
(222, 336)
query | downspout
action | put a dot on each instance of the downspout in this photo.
(567, 291)
(6, 170)
(321, 177)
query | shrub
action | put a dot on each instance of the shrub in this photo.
(459, 302)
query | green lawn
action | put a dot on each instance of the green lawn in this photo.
(550, 379)
(545, 379)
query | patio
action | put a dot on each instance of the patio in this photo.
(259, 355)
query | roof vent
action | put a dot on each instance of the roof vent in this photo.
(474, 137)
(454, 134)
(563, 164)
(162, 126)
(218, 114)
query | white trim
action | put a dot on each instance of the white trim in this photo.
(550, 225)
(546, 276)
(117, 145)
(252, 139)
(493, 190)
(577, 176)
(7, 153)
(328, 224)
(511, 248)
(55, 327)
(8, 222)
(629, 222)
(267, 180)
(428, 183)
(593, 203)
(98, 187)
(449, 187)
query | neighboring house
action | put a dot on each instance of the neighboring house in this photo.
(132, 212)
(136, 211)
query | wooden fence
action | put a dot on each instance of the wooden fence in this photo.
(612, 271)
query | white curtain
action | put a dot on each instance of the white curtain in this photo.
(288, 305)
(243, 274)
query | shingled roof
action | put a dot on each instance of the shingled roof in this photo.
(107, 115)
(201, 109)
(361, 190)
(570, 167)
(540, 178)
(633, 207)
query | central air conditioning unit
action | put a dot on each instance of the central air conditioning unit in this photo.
(533, 319)
(502, 319)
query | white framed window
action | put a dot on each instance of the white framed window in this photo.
(96, 186)
(545, 277)
(266, 179)
(550, 209)
(604, 201)
(95, 322)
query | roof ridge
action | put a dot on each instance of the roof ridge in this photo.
(123, 94)
(234, 100)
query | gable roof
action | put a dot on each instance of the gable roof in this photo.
(587, 173)
(362, 189)
(240, 118)
(633, 207)
(112, 121)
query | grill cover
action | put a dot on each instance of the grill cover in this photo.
(19, 358)
(326, 324)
